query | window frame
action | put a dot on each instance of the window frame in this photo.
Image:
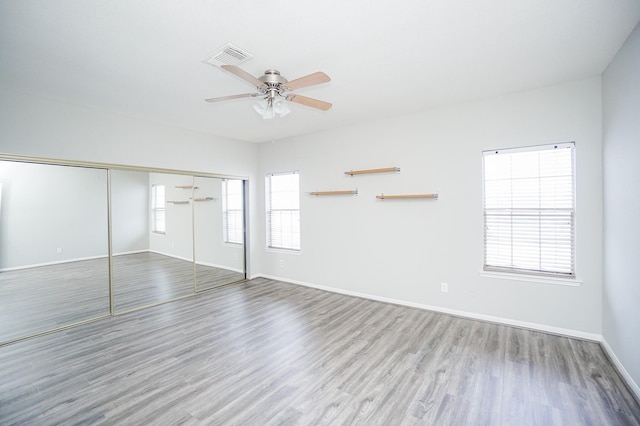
(294, 238)
(563, 212)
(155, 209)
(238, 219)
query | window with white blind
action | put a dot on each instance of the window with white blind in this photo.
(283, 210)
(158, 209)
(232, 218)
(529, 210)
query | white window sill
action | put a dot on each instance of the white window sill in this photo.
(282, 250)
(572, 282)
(234, 245)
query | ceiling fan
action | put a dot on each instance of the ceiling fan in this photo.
(272, 88)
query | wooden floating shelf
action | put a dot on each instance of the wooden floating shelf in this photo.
(382, 196)
(186, 187)
(204, 199)
(348, 192)
(382, 170)
(177, 202)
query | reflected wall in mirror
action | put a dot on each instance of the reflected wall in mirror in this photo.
(218, 212)
(54, 267)
(152, 237)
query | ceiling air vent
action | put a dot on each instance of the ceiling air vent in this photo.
(228, 55)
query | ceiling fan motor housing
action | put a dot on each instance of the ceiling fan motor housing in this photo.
(272, 77)
(274, 82)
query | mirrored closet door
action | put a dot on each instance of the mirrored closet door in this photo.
(218, 214)
(152, 238)
(54, 265)
(84, 241)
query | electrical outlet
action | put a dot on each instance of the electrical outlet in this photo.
(282, 263)
(444, 287)
(59, 251)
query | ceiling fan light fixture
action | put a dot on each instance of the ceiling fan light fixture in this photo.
(271, 108)
(280, 108)
(261, 106)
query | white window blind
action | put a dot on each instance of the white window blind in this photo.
(283, 210)
(232, 207)
(529, 209)
(158, 209)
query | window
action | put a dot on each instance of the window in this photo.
(232, 218)
(157, 209)
(283, 211)
(529, 210)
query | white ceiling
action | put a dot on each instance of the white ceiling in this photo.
(143, 58)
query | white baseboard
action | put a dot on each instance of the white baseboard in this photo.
(472, 315)
(124, 253)
(623, 371)
(17, 268)
(214, 265)
(57, 262)
(171, 255)
(197, 263)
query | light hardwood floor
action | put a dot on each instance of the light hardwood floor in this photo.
(264, 352)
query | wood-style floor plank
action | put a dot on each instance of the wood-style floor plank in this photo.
(263, 352)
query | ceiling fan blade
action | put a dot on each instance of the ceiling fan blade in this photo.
(226, 98)
(308, 80)
(243, 75)
(310, 102)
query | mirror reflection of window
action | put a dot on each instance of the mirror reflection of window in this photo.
(232, 211)
(158, 209)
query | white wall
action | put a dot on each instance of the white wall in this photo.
(402, 250)
(47, 128)
(621, 299)
(46, 208)
(40, 127)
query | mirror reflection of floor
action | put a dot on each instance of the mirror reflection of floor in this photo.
(42, 298)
